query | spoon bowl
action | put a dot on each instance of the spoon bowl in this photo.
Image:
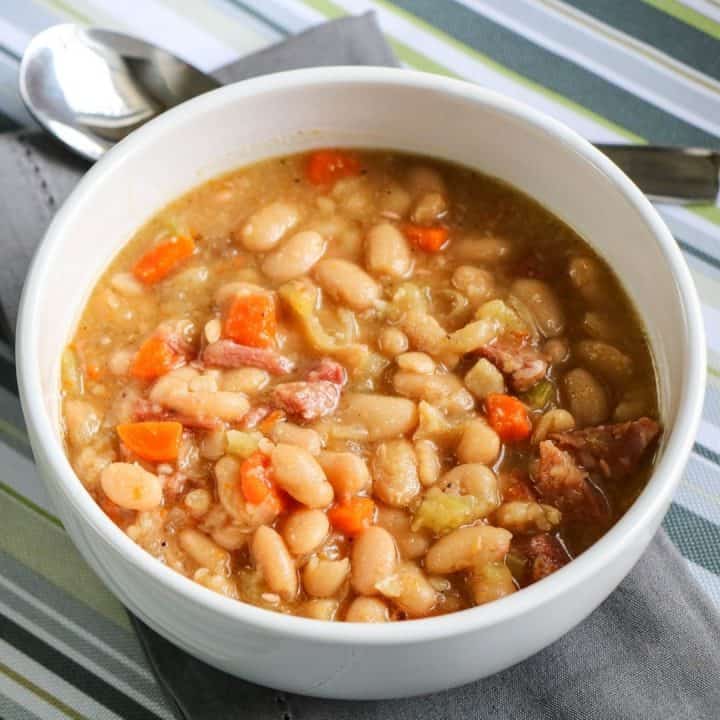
(90, 87)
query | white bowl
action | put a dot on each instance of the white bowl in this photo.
(374, 108)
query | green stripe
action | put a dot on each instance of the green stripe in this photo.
(66, 8)
(36, 539)
(9, 709)
(40, 692)
(29, 504)
(557, 73)
(663, 31)
(697, 538)
(689, 16)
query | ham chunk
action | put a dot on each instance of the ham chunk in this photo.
(229, 354)
(147, 410)
(545, 554)
(309, 400)
(513, 356)
(330, 370)
(315, 397)
(613, 451)
(562, 483)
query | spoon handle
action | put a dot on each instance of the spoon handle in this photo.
(668, 174)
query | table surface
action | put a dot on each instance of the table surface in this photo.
(630, 70)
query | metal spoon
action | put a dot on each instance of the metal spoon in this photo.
(90, 88)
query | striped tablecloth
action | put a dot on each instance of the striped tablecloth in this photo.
(615, 70)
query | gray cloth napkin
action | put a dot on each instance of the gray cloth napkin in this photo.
(652, 649)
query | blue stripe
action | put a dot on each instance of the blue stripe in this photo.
(659, 29)
(557, 73)
(697, 538)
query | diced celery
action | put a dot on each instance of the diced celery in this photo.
(70, 374)
(408, 296)
(503, 314)
(517, 565)
(441, 512)
(539, 395)
(301, 297)
(242, 444)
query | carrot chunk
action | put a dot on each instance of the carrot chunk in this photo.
(325, 167)
(271, 421)
(155, 358)
(255, 478)
(508, 417)
(430, 239)
(156, 441)
(158, 262)
(352, 516)
(252, 320)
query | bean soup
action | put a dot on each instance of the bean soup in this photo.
(360, 386)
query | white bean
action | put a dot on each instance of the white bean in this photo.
(265, 228)
(227, 476)
(472, 336)
(411, 544)
(347, 472)
(244, 380)
(212, 445)
(295, 257)
(373, 558)
(430, 207)
(392, 341)
(410, 591)
(416, 362)
(304, 530)
(466, 547)
(542, 302)
(479, 443)
(589, 279)
(197, 502)
(521, 516)
(274, 562)
(81, 422)
(204, 551)
(383, 416)
(555, 420)
(324, 578)
(298, 473)
(395, 473)
(483, 249)
(605, 359)
(319, 609)
(424, 332)
(347, 283)
(131, 487)
(586, 398)
(291, 434)
(476, 284)
(388, 252)
(367, 610)
(473, 479)
(428, 461)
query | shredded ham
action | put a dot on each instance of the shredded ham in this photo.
(614, 451)
(229, 354)
(513, 356)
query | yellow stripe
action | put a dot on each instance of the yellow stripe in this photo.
(633, 45)
(46, 549)
(689, 16)
(41, 693)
